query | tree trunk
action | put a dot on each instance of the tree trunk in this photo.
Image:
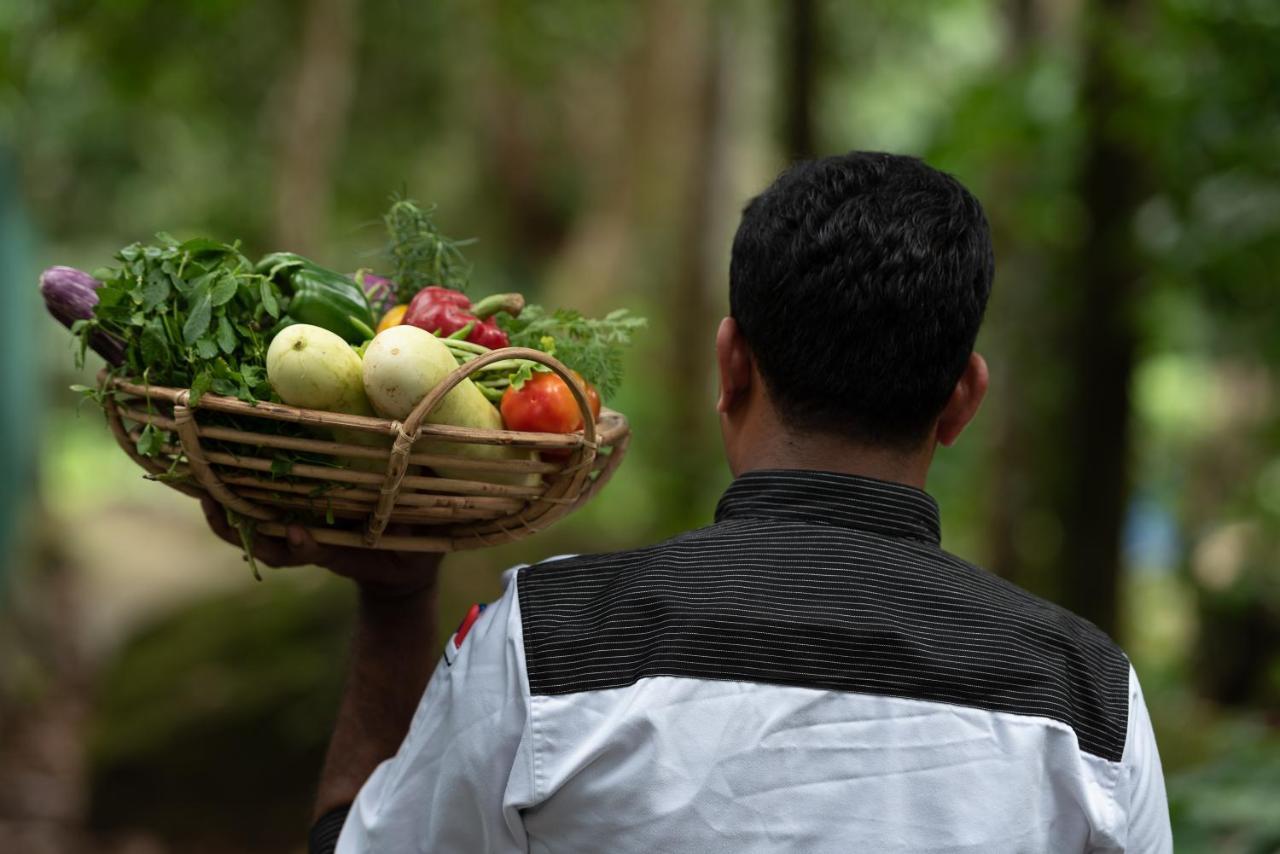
(1022, 18)
(1017, 491)
(1104, 276)
(315, 123)
(695, 300)
(800, 66)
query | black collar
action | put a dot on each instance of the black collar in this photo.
(848, 501)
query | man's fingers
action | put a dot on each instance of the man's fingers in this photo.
(302, 546)
(271, 551)
(298, 547)
(217, 519)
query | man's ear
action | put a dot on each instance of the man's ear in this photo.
(965, 399)
(733, 358)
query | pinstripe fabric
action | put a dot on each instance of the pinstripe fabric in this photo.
(323, 838)
(824, 581)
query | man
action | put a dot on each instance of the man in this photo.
(811, 673)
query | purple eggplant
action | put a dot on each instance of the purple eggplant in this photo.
(380, 291)
(70, 295)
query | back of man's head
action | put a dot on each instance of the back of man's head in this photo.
(859, 283)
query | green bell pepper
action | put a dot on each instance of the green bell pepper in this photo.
(321, 297)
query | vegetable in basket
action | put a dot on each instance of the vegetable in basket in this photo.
(380, 290)
(393, 317)
(311, 367)
(445, 312)
(401, 366)
(70, 295)
(199, 314)
(321, 297)
(420, 254)
(430, 270)
(190, 314)
(544, 403)
(591, 346)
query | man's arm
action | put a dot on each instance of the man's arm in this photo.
(1148, 830)
(391, 656)
(391, 661)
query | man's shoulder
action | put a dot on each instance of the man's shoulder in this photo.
(843, 612)
(1045, 620)
(935, 568)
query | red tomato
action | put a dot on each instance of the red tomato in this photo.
(545, 404)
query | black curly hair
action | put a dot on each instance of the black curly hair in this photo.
(859, 282)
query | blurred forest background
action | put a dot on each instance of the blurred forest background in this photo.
(154, 698)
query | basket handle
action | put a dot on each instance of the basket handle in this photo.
(189, 437)
(397, 464)
(437, 394)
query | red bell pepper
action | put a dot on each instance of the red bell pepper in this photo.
(445, 311)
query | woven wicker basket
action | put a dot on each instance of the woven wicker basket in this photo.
(341, 504)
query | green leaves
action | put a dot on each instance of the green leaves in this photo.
(198, 320)
(206, 348)
(524, 373)
(224, 290)
(420, 254)
(151, 441)
(191, 314)
(155, 342)
(591, 346)
(226, 335)
(200, 385)
(268, 295)
(156, 290)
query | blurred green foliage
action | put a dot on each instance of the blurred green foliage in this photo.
(230, 681)
(1228, 806)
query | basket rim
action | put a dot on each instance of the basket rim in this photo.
(576, 481)
(609, 424)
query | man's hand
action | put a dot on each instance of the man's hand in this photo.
(377, 572)
(392, 652)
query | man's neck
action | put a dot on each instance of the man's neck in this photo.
(820, 453)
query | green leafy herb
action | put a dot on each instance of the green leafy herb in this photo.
(151, 440)
(245, 526)
(201, 384)
(591, 346)
(524, 373)
(420, 254)
(191, 314)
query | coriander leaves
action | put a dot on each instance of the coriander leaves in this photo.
(591, 346)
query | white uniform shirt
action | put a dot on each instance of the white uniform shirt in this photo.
(810, 674)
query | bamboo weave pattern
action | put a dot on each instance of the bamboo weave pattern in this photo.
(347, 492)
